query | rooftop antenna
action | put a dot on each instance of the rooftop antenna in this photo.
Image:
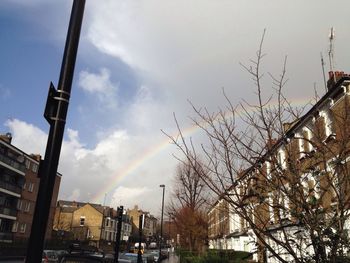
(324, 74)
(331, 51)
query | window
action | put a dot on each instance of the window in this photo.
(31, 187)
(306, 145)
(82, 220)
(23, 227)
(19, 204)
(281, 159)
(27, 207)
(328, 122)
(35, 167)
(27, 163)
(107, 221)
(15, 226)
(268, 169)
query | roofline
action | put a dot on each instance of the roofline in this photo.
(10, 145)
(288, 134)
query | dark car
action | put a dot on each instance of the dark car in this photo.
(132, 257)
(50, 256)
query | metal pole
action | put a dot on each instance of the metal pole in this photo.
(139, 254)
(55, 113)
(161, 225)
(119, 228)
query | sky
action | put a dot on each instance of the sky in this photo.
(141, 61)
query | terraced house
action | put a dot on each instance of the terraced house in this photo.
(94, 224)
(292, 203)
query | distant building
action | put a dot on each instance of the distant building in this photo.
(150, 224)
(19, 184)
(126, 227)
(91, 223)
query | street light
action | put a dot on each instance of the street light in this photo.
(161, 225)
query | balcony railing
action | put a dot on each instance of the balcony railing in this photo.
(8, 211)
(10, 187)
(6, 236)
(13, 163)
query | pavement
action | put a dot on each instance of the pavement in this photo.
(171, 259)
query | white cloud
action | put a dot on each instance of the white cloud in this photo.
(179, 50)
(193, 48)
(99, 85)
(129, 196)
(29, 137)
(119, 163)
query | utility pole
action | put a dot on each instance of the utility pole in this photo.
(161, 226)
(139, 253)
(55, 113)
(119, 228)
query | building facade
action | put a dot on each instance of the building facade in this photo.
(19, 184)
(150, 223)
(295, 197)
(92, 223)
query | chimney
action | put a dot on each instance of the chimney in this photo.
(334, 77)
(36, 156)
(6, 137)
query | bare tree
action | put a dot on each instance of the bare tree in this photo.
(188, 206)
(285, 171)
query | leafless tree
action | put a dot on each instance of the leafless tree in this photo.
(188, 206)
(284, 171)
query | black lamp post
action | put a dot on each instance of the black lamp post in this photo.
(161, 225)
(55, 113)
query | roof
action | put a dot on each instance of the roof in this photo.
(74, 205)
(295, 125)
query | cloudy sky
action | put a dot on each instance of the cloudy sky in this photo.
(140, 61)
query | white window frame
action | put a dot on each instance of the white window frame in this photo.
(308, 139)
(27, 164)
(27, 207)
(268, 169)
(19, 204)
(31, 187)
(82, 219)
(328, 122)
(35, 168)
(15, 226)
(23, 227)
(281, 157)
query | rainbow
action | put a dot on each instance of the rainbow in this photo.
(135, 164)
(149, 153)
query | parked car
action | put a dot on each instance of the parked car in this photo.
(61, 253)
(50, 256)
(132, 257)
(90, 258)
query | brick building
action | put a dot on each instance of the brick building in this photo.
(19, 184)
